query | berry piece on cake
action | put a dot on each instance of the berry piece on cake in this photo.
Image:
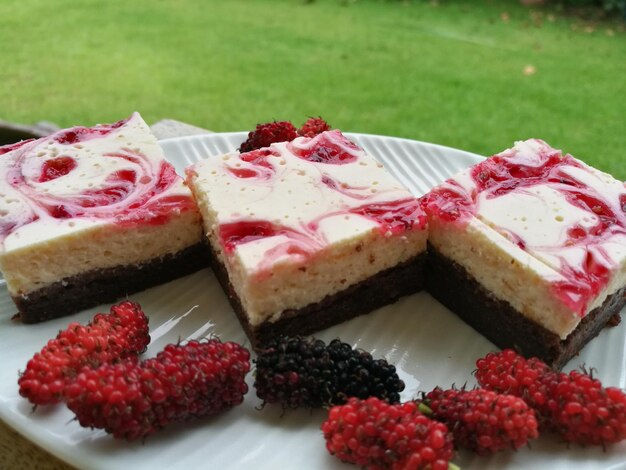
(529, 248)
(89, 215)
(308, 233)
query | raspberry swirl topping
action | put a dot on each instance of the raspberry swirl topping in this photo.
(108, 173)
(330, 147)
(10, 147)
(293, 199)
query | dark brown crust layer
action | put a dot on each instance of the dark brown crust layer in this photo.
(504, 326)
(102, 286)
(379, 290)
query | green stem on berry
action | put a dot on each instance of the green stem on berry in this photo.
(425, 409)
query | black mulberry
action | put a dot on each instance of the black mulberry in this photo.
(299, 372)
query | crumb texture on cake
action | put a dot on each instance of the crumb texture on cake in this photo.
(301, 220)
(502, 323)
(383, 288)
(541, 230)
(100, 247)
(106, 285)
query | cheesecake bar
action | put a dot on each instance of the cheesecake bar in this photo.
(529, 248)
(89, 215)
(308, 233)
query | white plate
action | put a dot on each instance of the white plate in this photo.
(428, 344)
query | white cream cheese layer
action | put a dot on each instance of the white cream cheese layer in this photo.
(308, 204)
(83, 178)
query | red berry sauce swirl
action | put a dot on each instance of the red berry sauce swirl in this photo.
(92, 173)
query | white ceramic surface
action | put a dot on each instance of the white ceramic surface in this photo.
(428, 344)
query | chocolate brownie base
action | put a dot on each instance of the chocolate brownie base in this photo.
(504, 326)
(379, 290)
(102, 286)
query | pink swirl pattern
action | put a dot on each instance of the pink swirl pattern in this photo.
(326, 165)
(84, 173)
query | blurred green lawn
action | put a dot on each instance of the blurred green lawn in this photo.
(476, 75)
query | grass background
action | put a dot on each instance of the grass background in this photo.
(476, 75)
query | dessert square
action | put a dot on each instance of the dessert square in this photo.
(89, 215)
(529, 248)
(308, 233)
